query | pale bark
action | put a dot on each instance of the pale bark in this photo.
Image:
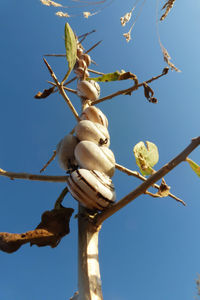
(89, 279)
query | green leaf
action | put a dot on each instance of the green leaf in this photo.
(146, 157)
(115, 76)
(194, 166)
(71, 49)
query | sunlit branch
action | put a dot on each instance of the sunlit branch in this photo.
(127, 91)
(139, 176)
(61, 90)
(34, 177)
(141, 189)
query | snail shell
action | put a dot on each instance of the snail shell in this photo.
(88, 89)
(65, 152)
(91, 131)
(94, 114)
(81, 73)
(86, 58)
(92, 188)
(92, 157)
(79, 51)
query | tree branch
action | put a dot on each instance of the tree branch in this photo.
(139, 176)
(35, 177)
(149, 182)
(62, 91)
(129, 90)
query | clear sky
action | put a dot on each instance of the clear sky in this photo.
(150, 249)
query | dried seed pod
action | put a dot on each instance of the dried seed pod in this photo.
(88, 89)
(81, 73)
(65, 152)
(92, 189)
(92, 157)
(94, 114)
(86, 58)
(89, 131)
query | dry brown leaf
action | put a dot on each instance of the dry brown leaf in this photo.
(62, 14)
(54, 226)
(51, 3)
(167, 59)
(164, 189)
(45, 93)
(168, 6)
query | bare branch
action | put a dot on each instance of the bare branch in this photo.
(62, 92)
(65, 88)
(141, 189)
(35, 177)
(94, 46)
(127, 91)
(49, 161)
(139, 176)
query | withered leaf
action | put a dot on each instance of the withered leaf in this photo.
(53, 226)
(164, 189)
(45, 93)
(148, 92)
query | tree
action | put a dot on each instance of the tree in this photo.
(111, 107)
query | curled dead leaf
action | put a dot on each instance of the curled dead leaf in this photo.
(46, 93)
(52, 228)
(164, 189)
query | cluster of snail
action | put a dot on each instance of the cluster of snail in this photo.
(86, 155)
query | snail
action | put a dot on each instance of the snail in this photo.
(81, 73)
(94, 114)
(86, 58)
(88, 89)
(65, 152)
(87, 130)
(92, 157)
(91, 188)
(79, 51)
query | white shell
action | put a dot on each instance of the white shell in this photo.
(88, 89)
(91, 131)
(91, 188)
(65, 152)
(92, 157)
(94, 114)
(81, 73)
(86, 58)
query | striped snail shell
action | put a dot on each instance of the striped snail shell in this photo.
(65, 152)
(92, 157)
(91, 188)
(91, 131)
(94, 114)
(88, 89)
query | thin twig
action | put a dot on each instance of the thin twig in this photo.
(139, 176)
(56, 55)
(94, 46)
(65, 88)
(127, 91)
(85, 35)
(49, 161)
(61, 198)
(35, 177)
(148, 183)
(62, 91)
(95, 72)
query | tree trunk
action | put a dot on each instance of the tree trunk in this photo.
(89, 279)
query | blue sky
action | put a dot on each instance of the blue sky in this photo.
(150, 249)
